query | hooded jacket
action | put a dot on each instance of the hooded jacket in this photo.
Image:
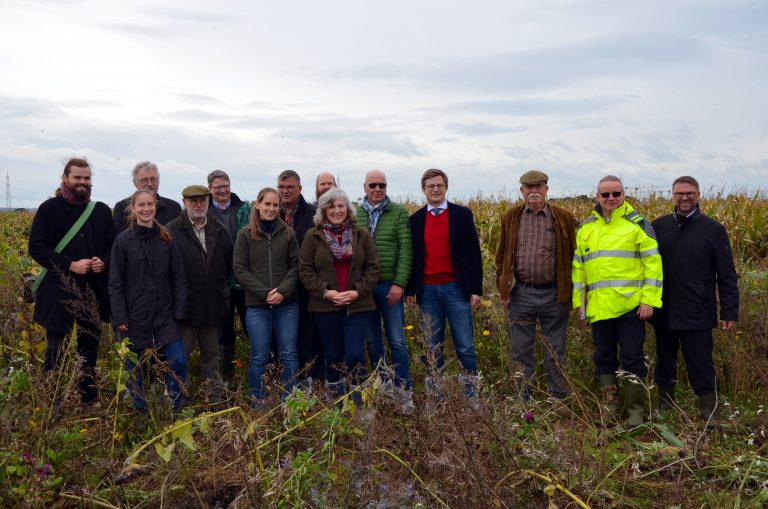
(147, 287)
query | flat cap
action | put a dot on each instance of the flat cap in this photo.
(191, 191)
(533, 177)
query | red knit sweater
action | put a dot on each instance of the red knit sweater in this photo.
(438, 267)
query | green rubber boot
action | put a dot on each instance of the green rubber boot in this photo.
(635, 404)
(609, 395)
(710, 411)
(666, 398)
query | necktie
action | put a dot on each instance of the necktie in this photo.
(436, 211)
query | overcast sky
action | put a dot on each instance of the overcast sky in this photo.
(484, 90)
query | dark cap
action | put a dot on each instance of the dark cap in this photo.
(533, 177)
(192, 191)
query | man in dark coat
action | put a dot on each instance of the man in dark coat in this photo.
(234, 214)
(299, 216)
(146, 176)
(447, 275)
(75, 288)
(698, 264)
(207, 252)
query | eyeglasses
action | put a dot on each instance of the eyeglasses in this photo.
(286, 188)
(434, 186)
(615, 194)
(691, 194)
(147, 180)
(380, 185)
(220, 188)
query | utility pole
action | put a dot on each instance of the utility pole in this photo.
(7, 191)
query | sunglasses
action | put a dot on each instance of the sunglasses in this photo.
(615, 194)
(380, 185)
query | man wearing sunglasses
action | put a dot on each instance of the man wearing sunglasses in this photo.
(389, 224)
(617, 282)
(533, 277)
(698, 265)
(146, 176)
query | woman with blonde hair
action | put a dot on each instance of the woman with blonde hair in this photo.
(148, 293)
(339, 267)
(266, 266)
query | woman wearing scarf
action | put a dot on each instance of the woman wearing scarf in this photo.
(339, 267)
(148, 293)
(266, 266)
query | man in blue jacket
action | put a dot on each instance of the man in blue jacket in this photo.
(698, 264)
(447, 275)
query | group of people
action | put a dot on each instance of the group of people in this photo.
(618, 271)
(314, 283)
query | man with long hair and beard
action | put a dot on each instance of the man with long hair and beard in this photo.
(74, 289)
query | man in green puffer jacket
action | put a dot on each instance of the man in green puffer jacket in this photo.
(390, 228)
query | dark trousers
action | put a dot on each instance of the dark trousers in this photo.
(625, 336)
(87, 348)
(236, 303)
(697, 352)
(309, 345)
(343, 338)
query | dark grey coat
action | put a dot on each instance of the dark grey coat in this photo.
(147, 287)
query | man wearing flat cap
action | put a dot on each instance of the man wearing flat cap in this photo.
(206, 249)
(533, 277)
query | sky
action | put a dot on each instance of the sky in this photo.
(484, 90)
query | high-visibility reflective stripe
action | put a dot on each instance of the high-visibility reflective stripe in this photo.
(610, 253)
(578, 286)
(614, 283)
(649, 252)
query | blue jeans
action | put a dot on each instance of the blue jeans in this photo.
(394, 320)
(441, 302)
(173, 353)
(260, 320)
(343, 338)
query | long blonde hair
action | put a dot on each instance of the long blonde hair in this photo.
(165, 235)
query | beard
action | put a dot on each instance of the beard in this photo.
(81, 191)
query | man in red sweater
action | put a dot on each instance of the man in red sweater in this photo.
(447, 275)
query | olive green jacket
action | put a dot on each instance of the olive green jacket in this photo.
(266, 263)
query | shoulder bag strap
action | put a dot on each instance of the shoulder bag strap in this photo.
(66, 239)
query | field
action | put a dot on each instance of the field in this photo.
(309, 453)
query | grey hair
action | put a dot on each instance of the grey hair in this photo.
(326, 200)
(217, 174)
(144, 165)
(610, 178)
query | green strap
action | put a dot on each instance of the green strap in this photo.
(65, 240)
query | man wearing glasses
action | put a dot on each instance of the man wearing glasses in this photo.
(697, 265)
(390, 228)
(146, 176)
(233, 213)
(617, 282)
(446, 279)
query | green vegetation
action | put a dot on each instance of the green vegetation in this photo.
(313, 453)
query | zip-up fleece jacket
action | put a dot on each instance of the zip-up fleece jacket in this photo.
(617, 265)
(565, 242)
(271, 261)
(393, 242)
(318, 273)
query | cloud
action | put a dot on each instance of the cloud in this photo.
(482, 128)
(535, 106)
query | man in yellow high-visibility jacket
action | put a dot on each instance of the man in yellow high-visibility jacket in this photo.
(617, 281)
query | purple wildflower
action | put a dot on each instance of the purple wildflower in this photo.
(529, 417)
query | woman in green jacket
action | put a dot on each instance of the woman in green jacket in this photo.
(339, 267)
(266, 266)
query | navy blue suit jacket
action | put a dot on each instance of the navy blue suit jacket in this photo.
(465, 251)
